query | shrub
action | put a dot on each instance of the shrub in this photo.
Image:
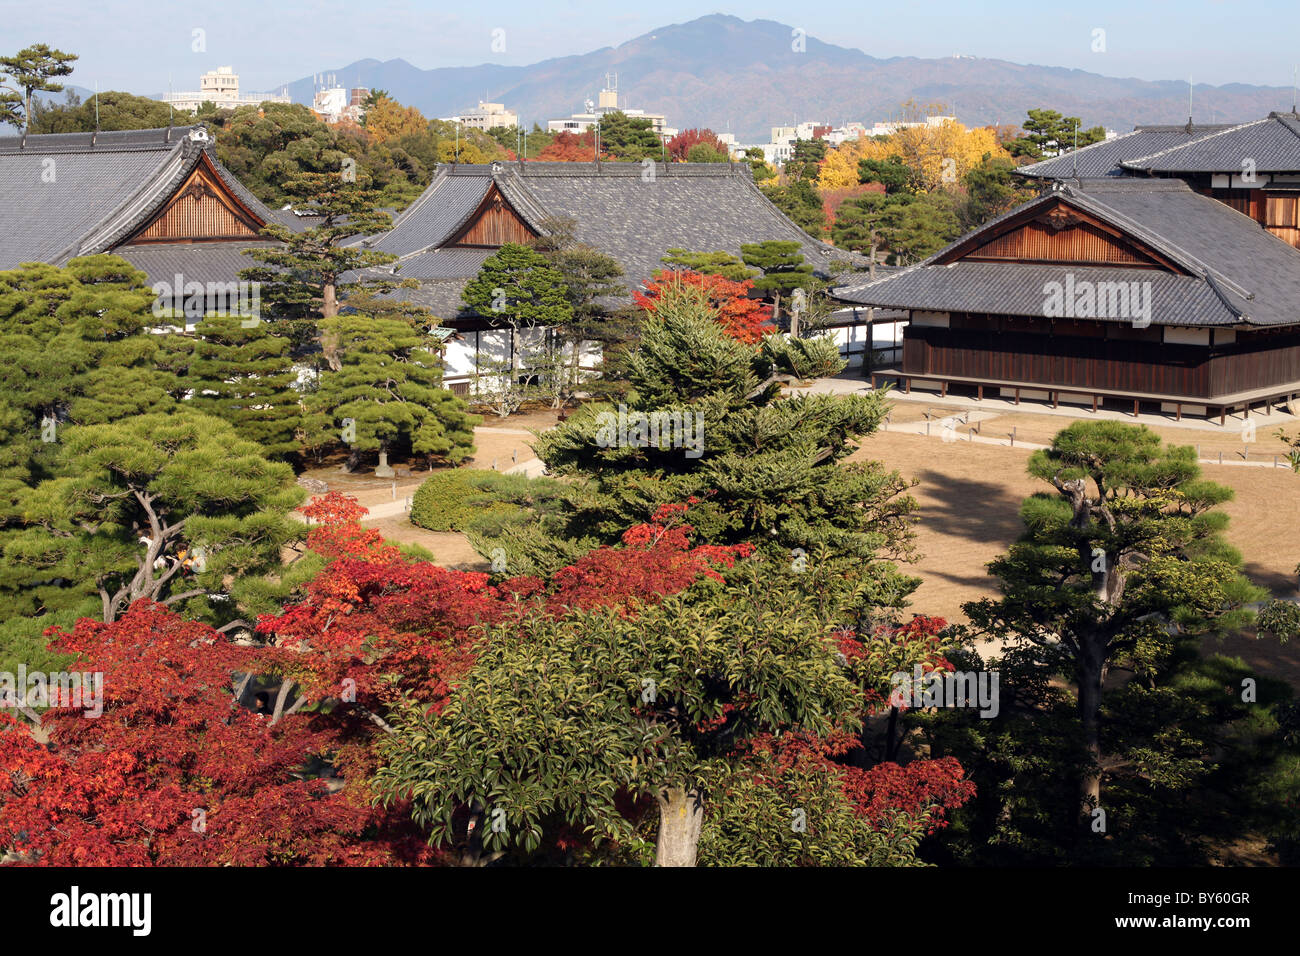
(475, 499)
(449, 500)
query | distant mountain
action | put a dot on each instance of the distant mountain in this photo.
(726, 73)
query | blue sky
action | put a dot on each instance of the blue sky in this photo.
(136, 44)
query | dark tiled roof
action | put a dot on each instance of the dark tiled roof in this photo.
(1022, 289)
(431, 219)
(444, 264)
(196, 261)
(1239, 272)
(631, 212)
(70, 194)
(1104, 158)
(1271, 145)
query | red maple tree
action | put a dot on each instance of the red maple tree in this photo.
(742, 318)
(681, 144)
(570, 147)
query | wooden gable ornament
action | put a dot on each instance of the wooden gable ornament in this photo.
(203, 209)
(1059, 234)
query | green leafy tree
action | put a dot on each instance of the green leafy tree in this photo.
(894, 174)
(593, 282)
(110, 110)
(520, 288)
(758, 166)
(921, 227)
(992, 188)
(242, 373)
(862, 223)
(1129, 544)
(598, 710)
(30, 70)
(1048, 133)
(805, 160)
(704, 153)
(388, 387)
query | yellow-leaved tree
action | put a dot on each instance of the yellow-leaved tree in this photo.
(388, 119)
(941, 155)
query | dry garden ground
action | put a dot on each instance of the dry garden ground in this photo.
(968, 492)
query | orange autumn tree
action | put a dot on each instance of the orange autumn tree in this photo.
(570, 148)
(742, 318)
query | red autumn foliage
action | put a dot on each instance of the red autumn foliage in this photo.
(887, 650)
(173, 746)
(681, 144)
(929, 788)
(664, 564)
(922, 789)
(174, 772)
(570, 147)
(741, 317)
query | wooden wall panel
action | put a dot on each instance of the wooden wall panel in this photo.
(202, 209)
(493, 224)
(1039, 242)
(1045, 360)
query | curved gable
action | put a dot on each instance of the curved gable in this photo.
(1059, 234)
(202, 209)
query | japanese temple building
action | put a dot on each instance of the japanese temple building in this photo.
(159, 198)
(1158, 268)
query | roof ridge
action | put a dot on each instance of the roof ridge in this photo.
(171, 167)
(1129, 163)
(1161, 242)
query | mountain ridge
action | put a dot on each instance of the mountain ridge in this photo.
(726, 73)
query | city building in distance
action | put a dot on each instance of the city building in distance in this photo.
(220, 87)
(607, 102)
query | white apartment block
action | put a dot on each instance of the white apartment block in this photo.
(488, 116)
(221, 88)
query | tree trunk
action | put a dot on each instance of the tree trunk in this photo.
(329, 301)
(681, 815)
(1090, 674)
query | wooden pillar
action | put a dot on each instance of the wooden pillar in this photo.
(1179, 416)
(1017, 395)
(1135, 408)
(980, 393)
(943, 389)
(1223, 415)
(1094, 403)
(1056, 399)
(907, 386)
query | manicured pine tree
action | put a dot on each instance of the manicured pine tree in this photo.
(784, 269)
(1129, 544)
(303, 278)
(245, 375)
(128, 508)
(388, 386)
(520, 287)
(709, 263)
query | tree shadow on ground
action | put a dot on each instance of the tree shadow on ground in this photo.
(969, 508)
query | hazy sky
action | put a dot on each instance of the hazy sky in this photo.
(136, 44)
